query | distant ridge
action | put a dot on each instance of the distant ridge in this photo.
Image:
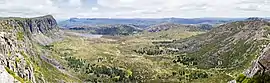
(143, 21)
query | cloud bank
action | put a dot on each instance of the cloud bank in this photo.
(63, 9)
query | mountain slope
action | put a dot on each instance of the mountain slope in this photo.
(20, 52)
(228, 45)
(167, 26)
(228, 48)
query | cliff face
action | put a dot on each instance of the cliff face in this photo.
(18, 37)
(43, 29)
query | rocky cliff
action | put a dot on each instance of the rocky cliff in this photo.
(19, 54)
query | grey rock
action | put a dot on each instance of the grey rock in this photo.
(261, 65)
(5, 76)
(233, 81)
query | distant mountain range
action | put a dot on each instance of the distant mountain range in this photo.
(116, 29)
(129, 26)
(143, 22)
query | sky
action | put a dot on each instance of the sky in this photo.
(64, 9)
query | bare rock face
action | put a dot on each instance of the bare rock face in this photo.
(261, 66)
(5, 76)
(43, 30)
(233, 81)
(17, 38)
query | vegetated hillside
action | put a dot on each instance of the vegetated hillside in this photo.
(114, 30)
(21, 50)
(230, 42)
(167, 26)
(169, 31)
(229, 48)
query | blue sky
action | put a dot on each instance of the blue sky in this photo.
(63, 9)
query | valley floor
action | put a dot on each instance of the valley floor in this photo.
(114, 59)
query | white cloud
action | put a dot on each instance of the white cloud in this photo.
(189, 8)
(76, 3)
(94, 8)
(135, 8)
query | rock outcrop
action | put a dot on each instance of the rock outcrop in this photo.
(5, 76)
(17, 39)
(260, 69)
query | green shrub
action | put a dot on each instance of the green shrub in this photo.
(240, 78)
(255, 79)
(20, 36)
(12, 73)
